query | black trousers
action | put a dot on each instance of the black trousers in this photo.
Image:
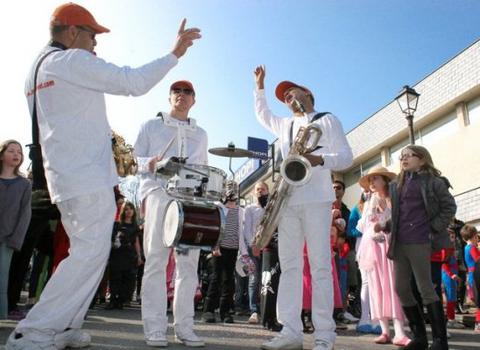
(269, 291)
(122, 283)
(21, 260)
(222, 282)
(241, 293)
(139, 276)
(462, 287)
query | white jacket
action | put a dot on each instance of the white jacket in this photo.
(155, 138)
(335, 150)
(74, 131)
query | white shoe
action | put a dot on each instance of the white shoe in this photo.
(253, 318)
(72, 338)
(321, 344)
(20, 342)
(190, 339)
(283, 342)
(348, 316)
(157, 340)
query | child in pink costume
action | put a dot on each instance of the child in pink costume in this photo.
(372, 257)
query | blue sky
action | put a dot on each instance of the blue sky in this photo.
(355, 55)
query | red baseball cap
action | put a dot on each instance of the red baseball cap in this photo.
(71, 14)
(182, 84)
(285, 85)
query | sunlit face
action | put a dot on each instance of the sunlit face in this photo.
(181, 99)
(298, 94)
(377, 183)
(260, 190)
(410, 161)
(83, 38)
(13, 156)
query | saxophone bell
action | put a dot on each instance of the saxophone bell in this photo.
(296, 170)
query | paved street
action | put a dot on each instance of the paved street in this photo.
(122, 329)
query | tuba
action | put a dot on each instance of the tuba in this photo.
(123, 156)
(295, 171)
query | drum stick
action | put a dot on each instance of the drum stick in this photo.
(166, 148)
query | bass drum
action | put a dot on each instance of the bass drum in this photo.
(189, 224)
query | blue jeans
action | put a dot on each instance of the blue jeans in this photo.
(5, 259)
(254, 283)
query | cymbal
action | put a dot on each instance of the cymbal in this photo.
(231, 152)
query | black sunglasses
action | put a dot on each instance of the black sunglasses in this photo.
(89, 31)
(177, 91)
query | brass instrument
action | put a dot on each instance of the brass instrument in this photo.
(123, 156)
(295, 171)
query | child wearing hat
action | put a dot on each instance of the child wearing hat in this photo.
(372, 257)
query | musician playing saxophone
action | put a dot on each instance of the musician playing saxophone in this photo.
(306, 215)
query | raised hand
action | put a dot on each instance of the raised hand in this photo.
(259, 74)
(185, 38)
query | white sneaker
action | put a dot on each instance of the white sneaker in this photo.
(157, 339)
(321, 344)
(253, 318)
(72, 338)
(20, 342)
(348, 316)
(190, 339)
(283, 342)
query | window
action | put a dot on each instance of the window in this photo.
(473, 108)
(352, 177)
(396, 150)
(356, 173)
(372, 162)
(437, 130)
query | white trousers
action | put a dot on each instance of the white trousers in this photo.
(154, 287)
(88, 221)
(311, 223)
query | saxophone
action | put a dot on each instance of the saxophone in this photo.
(123, 156)
(295, 171)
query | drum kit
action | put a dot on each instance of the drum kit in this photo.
(193, 219)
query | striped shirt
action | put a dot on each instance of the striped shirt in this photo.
(230, 236)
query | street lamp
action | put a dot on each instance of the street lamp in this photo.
(408, 101)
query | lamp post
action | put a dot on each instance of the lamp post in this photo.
(408, 101)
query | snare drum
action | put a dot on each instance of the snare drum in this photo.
(195, 181)
(189, 224)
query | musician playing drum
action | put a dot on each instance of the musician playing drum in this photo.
(169, 134)
(306, 215)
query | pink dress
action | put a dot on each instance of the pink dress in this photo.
(372, 258)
